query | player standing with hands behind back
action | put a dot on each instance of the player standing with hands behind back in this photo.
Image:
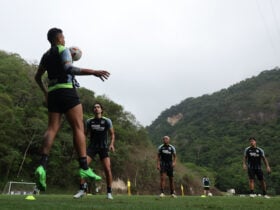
(252, 158)
(62, 98)
(166, 161)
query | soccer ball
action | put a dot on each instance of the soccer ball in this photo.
(76, 53)
(210, 194)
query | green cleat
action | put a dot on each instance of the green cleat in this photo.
(40, 174)
(89, 174)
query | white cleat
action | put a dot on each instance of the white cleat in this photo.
(79, 194)
(109, 196)
(252, 195)
(266, 196)
(161, 195)
(173, 195)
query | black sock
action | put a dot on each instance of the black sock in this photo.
(83, 163)
(83, 187)
(252, 192)
(109, 190)
(44, 160)
(264, 192)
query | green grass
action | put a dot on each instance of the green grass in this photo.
(122, 202)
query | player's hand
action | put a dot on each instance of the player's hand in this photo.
(158, 167)
(268, 169)
(112, 148)
(103, 75)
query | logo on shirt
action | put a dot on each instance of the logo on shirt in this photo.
(166, 151)
(97, 128)
(255, 153)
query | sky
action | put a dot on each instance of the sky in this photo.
(159, 52)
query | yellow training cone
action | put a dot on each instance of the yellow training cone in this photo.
(30, 197)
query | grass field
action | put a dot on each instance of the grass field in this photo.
(122, 202)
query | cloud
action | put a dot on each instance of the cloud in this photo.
(158, 52)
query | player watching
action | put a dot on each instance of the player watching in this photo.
(252, 163)
(166, 161)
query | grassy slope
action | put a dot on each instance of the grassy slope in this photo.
(121, 202)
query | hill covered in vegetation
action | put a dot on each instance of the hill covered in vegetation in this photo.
(209, 132)
(23, 120)
(212, 131)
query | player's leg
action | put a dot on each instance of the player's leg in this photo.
(205, 191)
(172, 186)
(262, 182)
(162, 182)
(251, 176)
(252, 186)
(54, 122)
(75, 119)
(171, 181)
(106, 162)
(83, 183)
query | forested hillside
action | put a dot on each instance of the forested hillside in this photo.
(213, 130)
(23, 120)
(210, 134)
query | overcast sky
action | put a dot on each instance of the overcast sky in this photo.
(159, 52)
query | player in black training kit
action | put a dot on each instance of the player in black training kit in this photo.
(100, 129)
(252, 163)
(206, 185)
(165, 163)
(62, 99)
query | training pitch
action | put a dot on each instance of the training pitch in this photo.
(122, 202)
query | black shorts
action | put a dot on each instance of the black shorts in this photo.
(255, 172)
(166, 167)
(102, 152)
(206, 188)
(61, 100)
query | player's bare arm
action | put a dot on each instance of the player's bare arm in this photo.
(112, 143)
(174, 160)
(102, 74)
(158, 162)
(38, 78)
(244, 163)
(267, 165)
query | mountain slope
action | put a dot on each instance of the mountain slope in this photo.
(212, 130)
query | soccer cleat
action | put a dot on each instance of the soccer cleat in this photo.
(173, 195)
(266, 196)
(40, 174)
(252, 195)
(79, 194)
(109, 196)
(89, 174)
(161, 195)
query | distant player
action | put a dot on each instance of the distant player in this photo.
(206, 185)
(252, 163)
(166, 161)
